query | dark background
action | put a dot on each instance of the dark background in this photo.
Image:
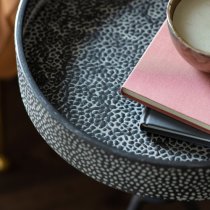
(38, 179)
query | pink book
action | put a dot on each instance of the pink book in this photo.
(164, 81)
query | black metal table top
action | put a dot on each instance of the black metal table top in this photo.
(73, 57)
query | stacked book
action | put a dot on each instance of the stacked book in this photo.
(176, 94)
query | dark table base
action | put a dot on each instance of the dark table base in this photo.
(138, 203)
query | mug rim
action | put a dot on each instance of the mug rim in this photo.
(176, 34)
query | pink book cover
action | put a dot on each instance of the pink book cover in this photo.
(164, 81)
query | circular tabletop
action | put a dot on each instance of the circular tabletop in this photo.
(73, 56)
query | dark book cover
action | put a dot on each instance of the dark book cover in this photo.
(158, 123)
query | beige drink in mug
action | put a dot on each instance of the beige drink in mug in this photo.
(189, 24)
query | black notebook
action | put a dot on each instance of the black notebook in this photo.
(155, 122)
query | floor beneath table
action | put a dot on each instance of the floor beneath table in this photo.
(40, 180)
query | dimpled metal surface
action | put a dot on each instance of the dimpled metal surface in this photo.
(79, 53)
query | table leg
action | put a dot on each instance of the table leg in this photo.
(4, 163)
(136, 203)
(191, 206)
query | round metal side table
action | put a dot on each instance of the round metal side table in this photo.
(72, 58)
